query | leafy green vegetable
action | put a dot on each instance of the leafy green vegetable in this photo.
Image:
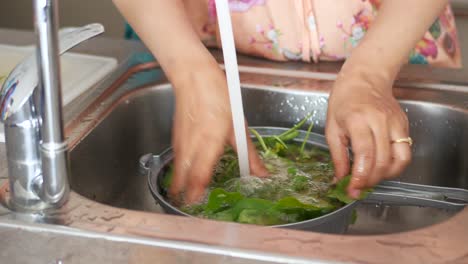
(260, 139)
(301, 152)
(220, 200)
(261, 217)
(340, 191)
(293, 132)
(290, 135)
(299, 187)
(292, 171)
(197, 209)
(252, 204)
(300, 211)
(281, 142)
(166, 183)
(300, 183)
(233, 206)
(226, 215)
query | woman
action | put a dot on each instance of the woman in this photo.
(376, 38)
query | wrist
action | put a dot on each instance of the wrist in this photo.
(194, 74)
(373, 56)
(366, 72)
(362, 79)
(200, 79)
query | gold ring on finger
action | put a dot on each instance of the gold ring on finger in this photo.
(404, 140)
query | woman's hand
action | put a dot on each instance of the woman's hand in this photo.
(202, 128)
(362, 111)
(203, 122)
(363, 114)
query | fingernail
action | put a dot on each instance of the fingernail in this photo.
(354, 193)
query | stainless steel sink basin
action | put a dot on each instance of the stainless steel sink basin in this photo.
(105, 162)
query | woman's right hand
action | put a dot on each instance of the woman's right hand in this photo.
(202, 127)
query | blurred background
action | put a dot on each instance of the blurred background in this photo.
(17, 14)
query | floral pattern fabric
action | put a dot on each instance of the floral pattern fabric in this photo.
(316, 30)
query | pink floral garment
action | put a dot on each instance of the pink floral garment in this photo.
(315, 30)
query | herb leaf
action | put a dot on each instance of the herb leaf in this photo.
(340, 191)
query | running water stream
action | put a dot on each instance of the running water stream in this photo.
(233, 83)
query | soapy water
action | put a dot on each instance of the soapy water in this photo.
(233, 83)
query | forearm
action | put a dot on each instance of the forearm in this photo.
(166, 30)
(396, 30)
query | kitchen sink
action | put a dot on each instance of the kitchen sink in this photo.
(104, 163)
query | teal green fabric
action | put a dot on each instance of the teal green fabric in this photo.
(140, 58)
(137, 58)
(130, 33)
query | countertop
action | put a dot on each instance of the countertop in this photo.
(111, 236)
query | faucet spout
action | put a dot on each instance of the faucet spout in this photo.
(54, 153)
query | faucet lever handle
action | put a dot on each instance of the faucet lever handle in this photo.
(21, 82)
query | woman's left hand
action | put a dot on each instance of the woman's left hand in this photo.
(363, 114)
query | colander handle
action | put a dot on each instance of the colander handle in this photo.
(147, 161)
(409, 194)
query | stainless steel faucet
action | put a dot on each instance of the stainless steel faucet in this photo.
(31, 109)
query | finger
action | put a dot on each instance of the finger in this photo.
(182, 164)
(383, 151)
(401, 159)
(401, 152)
(205, 160)
(338, 145)
(183, 152)
(257, 167)
(362, 143)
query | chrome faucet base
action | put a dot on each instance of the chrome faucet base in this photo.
(22, 138)
(31, 109)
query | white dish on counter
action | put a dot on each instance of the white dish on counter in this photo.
(79, 71)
